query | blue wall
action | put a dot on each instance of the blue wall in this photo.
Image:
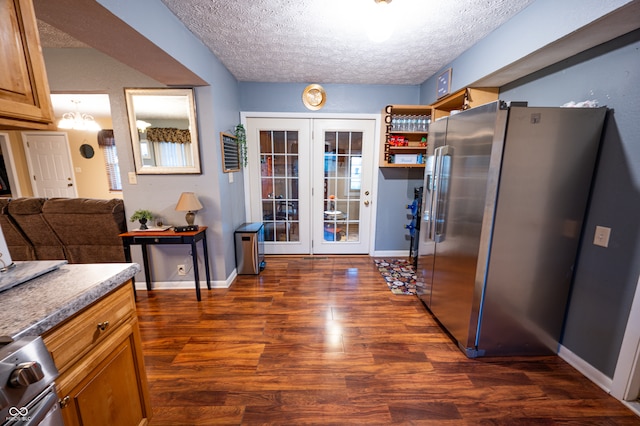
(540, 24)
(606, 278)
(217, 111)
(341, 98)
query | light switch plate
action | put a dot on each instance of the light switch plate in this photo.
(601, 237)
(133, 179)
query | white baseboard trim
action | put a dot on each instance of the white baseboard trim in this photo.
(594, 375)
(586, 369)
(391, 253)
(633, 406)
(187, 285)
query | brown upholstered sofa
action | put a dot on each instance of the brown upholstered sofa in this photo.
(80, 230)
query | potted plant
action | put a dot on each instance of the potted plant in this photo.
(241, 139)
(141, 216)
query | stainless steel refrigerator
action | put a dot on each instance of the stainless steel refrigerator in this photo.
(505, 194)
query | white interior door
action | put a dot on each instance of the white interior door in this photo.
(280, 185)
(310, 183)
(49, 162)
(342, 185)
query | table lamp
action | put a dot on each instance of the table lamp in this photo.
(189, 203)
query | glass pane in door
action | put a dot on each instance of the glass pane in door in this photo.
(279, 180)
(342, 185)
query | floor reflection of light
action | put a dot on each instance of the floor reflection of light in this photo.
(332, 332)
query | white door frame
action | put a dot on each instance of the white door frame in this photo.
(331, 116)
(626, 378)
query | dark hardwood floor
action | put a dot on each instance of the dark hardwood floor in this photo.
(323, 341)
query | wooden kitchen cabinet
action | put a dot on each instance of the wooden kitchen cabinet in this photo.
(99, 355)
(463, 99)
(25, 101)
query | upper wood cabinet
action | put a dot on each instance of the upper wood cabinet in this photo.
(24, 91)
(405, 128)
(463, 99)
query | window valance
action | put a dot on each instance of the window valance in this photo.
(105, 137)
(168, 134)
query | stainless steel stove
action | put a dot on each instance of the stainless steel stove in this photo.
(27, 388)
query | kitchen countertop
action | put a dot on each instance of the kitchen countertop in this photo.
(38, 305)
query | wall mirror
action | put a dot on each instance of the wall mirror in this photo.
(163, 130)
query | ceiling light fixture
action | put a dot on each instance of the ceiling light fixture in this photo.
(142, 125)
(77, 121)
(381, 24)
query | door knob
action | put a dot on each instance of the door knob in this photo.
(366, 192)
(69, 184)
(366, 203)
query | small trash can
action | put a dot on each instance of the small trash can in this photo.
(249, 239)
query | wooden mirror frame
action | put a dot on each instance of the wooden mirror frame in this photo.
(168, 108)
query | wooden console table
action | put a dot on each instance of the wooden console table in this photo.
(145, 238)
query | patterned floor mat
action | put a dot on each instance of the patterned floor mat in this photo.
(398, 274)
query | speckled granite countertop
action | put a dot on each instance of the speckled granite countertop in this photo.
(38, 305)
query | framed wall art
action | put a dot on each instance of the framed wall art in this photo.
(444, 84)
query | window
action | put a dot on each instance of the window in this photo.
(107, 143)
(356, 173)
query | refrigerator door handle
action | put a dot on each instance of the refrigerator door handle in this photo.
(435, 183)
(441, 188)
(427, 201)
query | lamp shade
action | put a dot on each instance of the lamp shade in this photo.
(188, 202)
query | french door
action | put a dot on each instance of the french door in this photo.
(310, 183)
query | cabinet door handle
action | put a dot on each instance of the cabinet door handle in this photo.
(102, 326)
(64, 401)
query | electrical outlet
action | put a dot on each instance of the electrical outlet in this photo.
(182, 270)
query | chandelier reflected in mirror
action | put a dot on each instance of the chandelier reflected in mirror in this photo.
(78, 121)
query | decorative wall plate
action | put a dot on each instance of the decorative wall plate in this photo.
(314, 97)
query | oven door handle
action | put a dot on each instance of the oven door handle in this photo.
(44, 407)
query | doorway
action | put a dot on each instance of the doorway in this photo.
(311, 183)
(49, 163)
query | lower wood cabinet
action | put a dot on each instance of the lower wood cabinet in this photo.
(102, 380)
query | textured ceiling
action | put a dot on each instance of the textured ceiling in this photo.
(326, 41)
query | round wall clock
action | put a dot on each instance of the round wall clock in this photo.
(86, 150)
(314, 97)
